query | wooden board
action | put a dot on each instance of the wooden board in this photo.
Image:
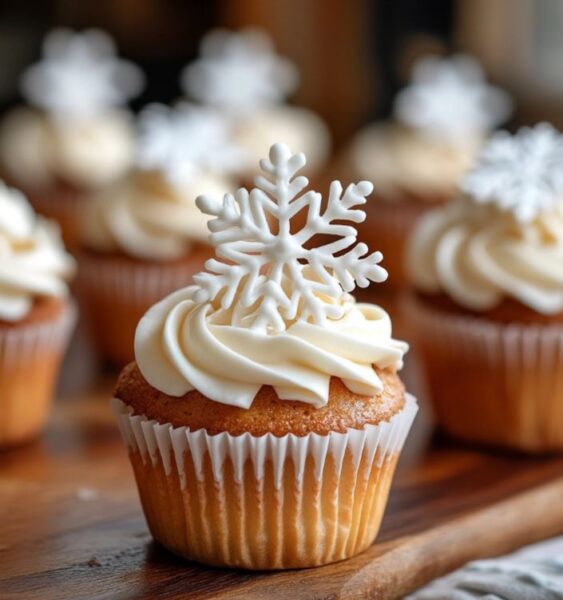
(71, 524)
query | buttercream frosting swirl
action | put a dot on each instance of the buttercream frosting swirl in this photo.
(147, 218)
(479, 256)
(403, 161)
(40, 151)
(269, 310)
(33, 261)
(183, 345)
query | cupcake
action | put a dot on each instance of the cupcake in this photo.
(239, 74)
(488, 308)
(36, 316)
(264, 415)
(73, 138)
(144, 237)
(418, 158)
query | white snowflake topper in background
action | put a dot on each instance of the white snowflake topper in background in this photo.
(273, 276)
(239, 72)
(450, 99)
(521, 174)
(80, 75)
(183, 141)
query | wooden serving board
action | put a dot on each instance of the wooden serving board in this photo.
(71, 526)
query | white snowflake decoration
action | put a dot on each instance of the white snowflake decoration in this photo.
(450, 99)
(185, 140)
(270, 277)
(521, 174)
(239, 72)
(80, 75)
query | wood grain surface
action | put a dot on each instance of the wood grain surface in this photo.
(71, 525)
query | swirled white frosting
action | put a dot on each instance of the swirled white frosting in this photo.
(33, 261)
(298, 128)
(147, 218)
(480, 256)
(181, 345)
(38, 150)
(400, 159)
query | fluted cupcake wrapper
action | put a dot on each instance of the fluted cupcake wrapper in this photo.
(490, 382)
(116, 294)
(30, 357)
(264, 502)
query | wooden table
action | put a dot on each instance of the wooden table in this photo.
(71, 524)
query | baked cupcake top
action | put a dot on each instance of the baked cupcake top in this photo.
(503, 239)
(74, 131)
(33, 261)
(270, 310)
(240, 74)
(440, 121)
(182, 152)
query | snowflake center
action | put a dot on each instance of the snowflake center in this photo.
(284, 249)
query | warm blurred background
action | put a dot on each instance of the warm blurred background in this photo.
(352, 55)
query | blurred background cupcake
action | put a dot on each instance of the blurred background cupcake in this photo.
(239, 74)
(73, 137)
(418, 157)
(145, 237)
(488, 308)
(36, 316)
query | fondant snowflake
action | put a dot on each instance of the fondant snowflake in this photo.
(80, 75)
(269, 276)
(183, 141)
(522, 174)
(239, 72)
(449, 98)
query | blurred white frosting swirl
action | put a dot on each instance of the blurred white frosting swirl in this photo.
(504, 239)
(76, 133)
(441, 120)
(181, 345)
(33, 261)
(37, 151)
(479, 256)
(182, 152)
(403, 162)
(241, 75)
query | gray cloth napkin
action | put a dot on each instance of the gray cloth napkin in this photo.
(533, 573)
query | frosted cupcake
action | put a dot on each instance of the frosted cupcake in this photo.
(36, 316)
(73, 138)
(264, 414)
(417, 159)
(488, 313)
(239, 74)
(145, 237)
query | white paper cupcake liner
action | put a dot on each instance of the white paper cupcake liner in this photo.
(30, 356)
(491, 382)
(21, 345)
(155, 441)
(314, 499)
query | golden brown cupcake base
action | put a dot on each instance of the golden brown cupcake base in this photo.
(116, 291)
(30, 354)
(268, 414)
(63, 204)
